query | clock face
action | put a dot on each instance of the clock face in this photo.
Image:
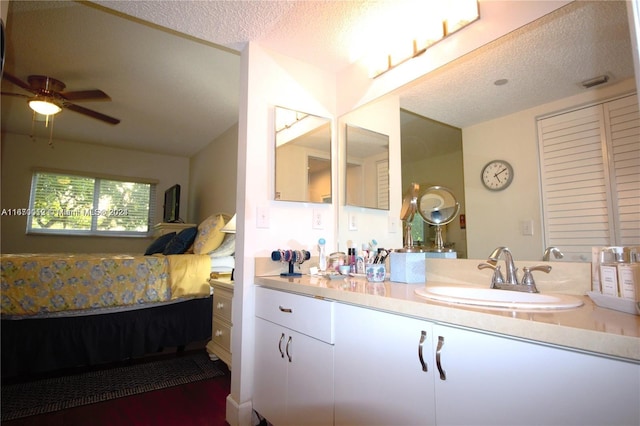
(497, 175)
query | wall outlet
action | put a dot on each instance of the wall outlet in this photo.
(353, 222)
(262, 216)
(318, 219)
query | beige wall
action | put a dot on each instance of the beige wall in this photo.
(213, 176)
(20, 155)
(495, 218)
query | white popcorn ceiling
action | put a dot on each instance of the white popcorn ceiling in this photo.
(176, 94)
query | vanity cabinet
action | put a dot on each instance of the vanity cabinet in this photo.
(293, 379)
(379, 377)
(471, 378)
(496, 380)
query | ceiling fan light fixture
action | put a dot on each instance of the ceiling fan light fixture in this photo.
(44, 105)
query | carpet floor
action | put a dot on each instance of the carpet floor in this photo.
(53, 394)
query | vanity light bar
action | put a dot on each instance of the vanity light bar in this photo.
(458, 15)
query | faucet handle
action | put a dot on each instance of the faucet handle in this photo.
(497, 275)
(527, 278)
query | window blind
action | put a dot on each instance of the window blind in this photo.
(64, 203)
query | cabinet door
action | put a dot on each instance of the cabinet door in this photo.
(309, 380)
(270, 376)
(379, 379)
(493, 380)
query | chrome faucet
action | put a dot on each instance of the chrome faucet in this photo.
(510, 268)
(511, 281)
(552, 250)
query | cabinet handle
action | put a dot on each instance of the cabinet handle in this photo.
(287, 348)
(443, 374)
(280, 345)
(220, 305)
(423, 338)
(218, 333)
(286, 310)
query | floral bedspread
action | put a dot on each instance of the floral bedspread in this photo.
(45, 283)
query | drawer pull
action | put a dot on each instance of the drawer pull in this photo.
(219, 333)
(286, 310)
(220, 305)
(289, 344)
(423, 338)
(280, 345)
(443, 374)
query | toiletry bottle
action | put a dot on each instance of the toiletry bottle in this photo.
(322, 262)
(629, 276)
(609, 271)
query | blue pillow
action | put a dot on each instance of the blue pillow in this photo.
(159, 244)
(181, 242)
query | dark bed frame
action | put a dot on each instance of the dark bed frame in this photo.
(38, 345)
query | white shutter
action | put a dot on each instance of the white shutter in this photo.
(382, 170)
(586, 155)
(623, 136)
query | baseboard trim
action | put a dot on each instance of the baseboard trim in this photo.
(239, 414)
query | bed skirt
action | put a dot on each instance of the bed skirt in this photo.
(31, 346)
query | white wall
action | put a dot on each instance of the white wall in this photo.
(20, 155)
(494, 218)
(268, 80)
(213, 177)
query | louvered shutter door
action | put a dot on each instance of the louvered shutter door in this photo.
(579, 176)
(623, 136)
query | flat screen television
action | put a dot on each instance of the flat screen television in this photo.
(172, 204)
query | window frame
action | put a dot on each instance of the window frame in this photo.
(98, 180)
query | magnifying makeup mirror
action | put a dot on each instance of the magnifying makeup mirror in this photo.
(437, 206)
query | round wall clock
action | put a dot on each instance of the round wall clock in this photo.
(497, 175)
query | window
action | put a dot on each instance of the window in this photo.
(591, 177)
(71, 204)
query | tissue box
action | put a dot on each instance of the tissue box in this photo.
(407, 267)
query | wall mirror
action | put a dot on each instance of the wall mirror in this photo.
(367, 168)
(303, 157)
(468, 97)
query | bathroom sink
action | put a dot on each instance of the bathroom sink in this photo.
(484, 296)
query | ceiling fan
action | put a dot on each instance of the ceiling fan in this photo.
(49, 97)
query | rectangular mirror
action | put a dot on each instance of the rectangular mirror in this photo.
(303, 157)
(367, 168)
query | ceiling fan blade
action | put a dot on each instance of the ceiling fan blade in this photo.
(15, 80)
(91, 113)
(85, 95)
(15, 94)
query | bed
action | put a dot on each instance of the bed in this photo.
(66, 310)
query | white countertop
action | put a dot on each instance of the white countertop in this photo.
(588, 328)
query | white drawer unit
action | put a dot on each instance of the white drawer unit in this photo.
(293, 381)
(220, 344)
(304, 314)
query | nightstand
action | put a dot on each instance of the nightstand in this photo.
(167, 227)
(220, 344)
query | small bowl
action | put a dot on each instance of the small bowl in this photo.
(376, 273)
(344, 269)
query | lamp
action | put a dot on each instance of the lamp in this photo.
(45, 105)
(230, 227)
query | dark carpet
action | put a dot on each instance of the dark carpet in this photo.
(53, 394)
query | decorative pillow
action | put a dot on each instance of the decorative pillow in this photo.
(159, 244)
(181, 242)
(227, 248)
(209, 235)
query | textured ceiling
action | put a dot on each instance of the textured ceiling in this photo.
(172, 67)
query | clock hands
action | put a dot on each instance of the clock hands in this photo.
(498, 173)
